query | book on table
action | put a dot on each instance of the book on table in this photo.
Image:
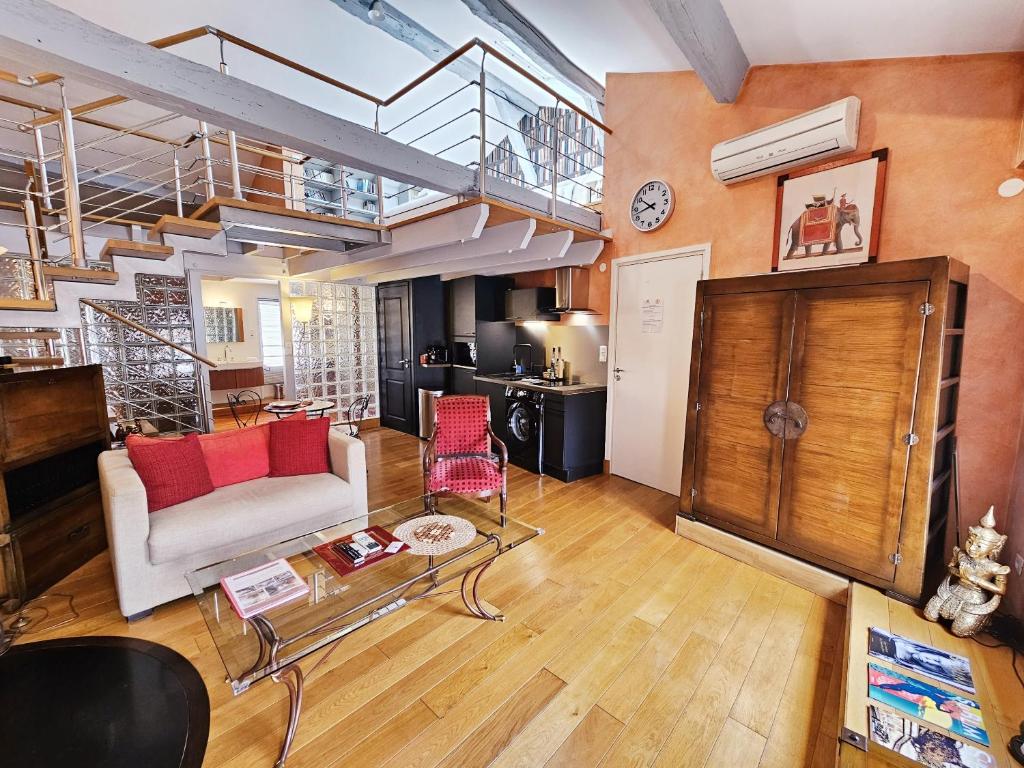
(922, 743)
(957, 714)
(264, 587)
(924, 659)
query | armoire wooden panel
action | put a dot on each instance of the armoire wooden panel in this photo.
(856, 370)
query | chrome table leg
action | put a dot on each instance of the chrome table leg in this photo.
(291, 676)
(471, 596)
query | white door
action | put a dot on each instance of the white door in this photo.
(653, 332)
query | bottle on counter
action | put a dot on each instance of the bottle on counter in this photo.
(559, 365)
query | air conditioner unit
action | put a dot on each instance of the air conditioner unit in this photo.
(800, 140)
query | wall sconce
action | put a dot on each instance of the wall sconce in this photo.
(302, 308)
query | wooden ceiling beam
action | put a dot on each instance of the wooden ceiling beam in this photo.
(518, 30)
(702, 31)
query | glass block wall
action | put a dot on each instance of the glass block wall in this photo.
(65, 344)
(145, 379)
(335, 354)
(16, 278)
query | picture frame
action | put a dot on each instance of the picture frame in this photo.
(830, 215)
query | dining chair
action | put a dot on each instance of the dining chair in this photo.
(355, 413)
(246, 406)
(459, 457)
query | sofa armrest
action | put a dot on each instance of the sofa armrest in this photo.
(126, 512)
(348, 461)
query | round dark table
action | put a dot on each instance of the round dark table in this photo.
(101, 702)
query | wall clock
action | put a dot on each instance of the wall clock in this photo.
(652, 205)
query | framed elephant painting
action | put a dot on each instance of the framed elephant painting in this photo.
(830, 215)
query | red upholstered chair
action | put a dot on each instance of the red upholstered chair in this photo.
(458, 458)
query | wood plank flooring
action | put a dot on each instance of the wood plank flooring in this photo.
(625, 645)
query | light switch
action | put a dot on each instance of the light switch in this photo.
(602, 354)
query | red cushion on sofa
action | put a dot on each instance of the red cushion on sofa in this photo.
(237, 455)
(299, 447)
(172, 471)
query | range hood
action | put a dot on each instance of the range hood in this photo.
(572, 290)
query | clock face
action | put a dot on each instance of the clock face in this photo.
(652, 205)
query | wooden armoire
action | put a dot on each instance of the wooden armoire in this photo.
(822, 414)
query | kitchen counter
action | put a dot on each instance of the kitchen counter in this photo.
(237, 365)
(566, 389)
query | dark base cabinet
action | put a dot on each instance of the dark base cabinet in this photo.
(574, 430)
(496, 394)
(462, 381)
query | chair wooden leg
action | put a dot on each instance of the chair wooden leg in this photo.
(504, 505)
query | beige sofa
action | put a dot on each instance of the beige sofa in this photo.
(150, 553)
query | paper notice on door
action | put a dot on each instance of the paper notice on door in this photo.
(652, 316)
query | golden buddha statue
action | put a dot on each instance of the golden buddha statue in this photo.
(976, 581)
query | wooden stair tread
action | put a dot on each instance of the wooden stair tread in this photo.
(135, 249)
(22, 362)
(176, 225)
(28, 335)
(81, 275)
(32, 305)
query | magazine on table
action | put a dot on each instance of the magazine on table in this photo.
(927, 702)
(264, 587)
(921, 743)
(917, 657)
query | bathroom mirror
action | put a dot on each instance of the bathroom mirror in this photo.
(223, 324)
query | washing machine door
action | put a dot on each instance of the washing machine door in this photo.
(522, 426)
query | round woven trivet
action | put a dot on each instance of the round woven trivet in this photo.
(435, 534)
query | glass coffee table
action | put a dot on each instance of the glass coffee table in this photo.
(273, 644)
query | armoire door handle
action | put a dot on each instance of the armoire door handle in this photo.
(785, 419)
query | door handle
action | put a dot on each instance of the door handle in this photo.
(787, 420)
(404, 363)
(617, 371)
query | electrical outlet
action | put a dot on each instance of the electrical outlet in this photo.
(602, 354)
(1018, 563)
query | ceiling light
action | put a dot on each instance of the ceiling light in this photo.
(376, 12)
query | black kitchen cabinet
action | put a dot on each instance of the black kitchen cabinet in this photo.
(462, 381)
(496, 394)
(475, 299)
(574, 431)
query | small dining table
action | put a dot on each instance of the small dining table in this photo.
(313, 408)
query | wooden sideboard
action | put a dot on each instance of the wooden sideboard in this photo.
(53, 426)
(236, 378)
(822, 414)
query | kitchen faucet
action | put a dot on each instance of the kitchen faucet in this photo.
(528, 369)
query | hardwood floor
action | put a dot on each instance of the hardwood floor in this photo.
(624, 645)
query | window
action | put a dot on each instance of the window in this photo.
(270, 333)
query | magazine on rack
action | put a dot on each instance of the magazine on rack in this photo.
(920, 743)
(924, 659)
(264, 587)
(927, 702)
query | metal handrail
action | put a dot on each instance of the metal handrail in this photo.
(197, 32)
(143, 329)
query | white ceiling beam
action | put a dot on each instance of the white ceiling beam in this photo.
(444, 229)
(702, 31)
(505, 239)
(45, 36)
(500, 15)
(544, 247)
(578, 255)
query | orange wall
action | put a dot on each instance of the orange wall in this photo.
(952, 127)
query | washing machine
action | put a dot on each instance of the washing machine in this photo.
(524, 417)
